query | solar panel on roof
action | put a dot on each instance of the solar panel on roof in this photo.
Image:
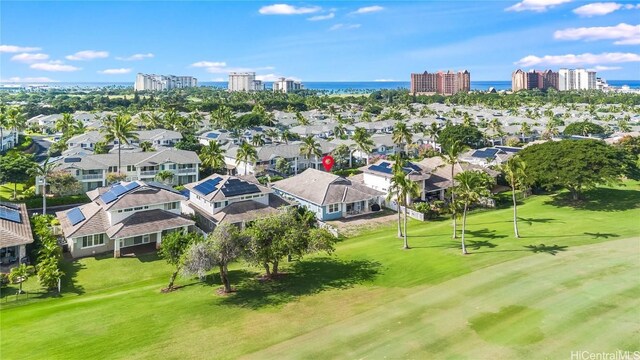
(239, 187)
(132, 185)
(108, 197)
(75, 216)
(7, 213)
(213, 135)
(72, 160)
(414, 166)
(118, 190)
(208, 186)
(11, 206)
(488, 153)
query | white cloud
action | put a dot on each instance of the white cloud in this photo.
(88, 55)
(344, 27)
(285, 9)
(368, 9)
(604, 68)
(115, 71)
(15, 49)
(577, 60)
(17, 79)
(226, 69)
(595, 9)
(56, 66)
(136, 57)
(207, 64)
(322, 17)
(623, 34)
(29, 57)
(274, 77)
(535, 5)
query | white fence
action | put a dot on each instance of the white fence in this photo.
(393, 205)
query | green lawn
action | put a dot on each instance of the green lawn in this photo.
(6, 191)
(570, 283)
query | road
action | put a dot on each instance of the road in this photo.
(42, 147)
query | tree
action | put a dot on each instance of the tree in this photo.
(164, 176)
(146, 146)
(401, 135)
(471, 187)
(20, 274)
(342, 156)
(257, 140)
(114, 177)
(301, 119)
(247, 154)
(63, 183)
(100, 148)
(466, 135)
(120, 128)
(224, 245)
(407, 190)
(363, 141)
(65, 123)
(3, 124)
(212, 156)
(173, 247)
(44, 170)
(284, 234)
(15, 168)
(283, 166)
(451, 157)
(310, 147)
(15, 120)
(340, 131)
(221, 118)
(49, 272)
(514, 171)
(576, 164)
(583, 128)
(394, 192)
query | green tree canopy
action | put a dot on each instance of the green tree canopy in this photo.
(466, 135)
(583, 128)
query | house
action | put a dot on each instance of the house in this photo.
(7, 140)
(231, 199)
(15, 232)
(92, 170)
(378, 176)
(489, 156)
(123, 217)
(440, 179)
(269, 154)
(157, 137)
(329, 196)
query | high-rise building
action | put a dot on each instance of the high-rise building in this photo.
(576, 79)
(153, 82)
(447, 83)
(521, 80)
(286, 85)
(244, 81)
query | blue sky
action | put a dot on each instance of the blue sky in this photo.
(93, 41)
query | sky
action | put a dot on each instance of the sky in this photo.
(95, 41)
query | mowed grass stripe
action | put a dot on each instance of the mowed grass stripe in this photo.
(394, 330)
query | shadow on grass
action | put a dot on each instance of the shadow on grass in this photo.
(302, 278)
(69, 281)
(599, 235)
(548, 249)
(602, 199)
(485, 233)
(531, 221)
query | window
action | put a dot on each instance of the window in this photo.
(92, 240)
(171, 206)
(128, 210)
(334, 208)
(131, 168)
(137, 208)
(216, 205)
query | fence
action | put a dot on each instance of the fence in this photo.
(393, 205)
(332, 229)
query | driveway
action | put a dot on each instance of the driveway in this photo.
(42, 147)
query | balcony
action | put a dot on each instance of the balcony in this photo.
(185, 171)
(149, 173)
(92, 177)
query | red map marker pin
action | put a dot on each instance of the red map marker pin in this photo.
(327, 162)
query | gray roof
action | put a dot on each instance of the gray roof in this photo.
(14, 233)
(291, 150)
(104, 161)
(145, 222)
(322, 188)
(96, 221)
(145, 194)
(218, 194)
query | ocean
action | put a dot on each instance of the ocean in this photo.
(336, 87)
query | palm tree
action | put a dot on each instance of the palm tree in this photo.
(272, 134)
(525, 130)
(65, 123)
(363, 141)
(3, 125)
(401, 134)
(146, 146)
(257, 140)
(286, 135)
(164, 175)
(246, 153)
(120, 128)
(515, 173)
(496, 126)
(408, 190)
(212, 155)
(78, 128)
(550, 130)
(16, 120)
(394, 192)
(433, 131)
(418, 128)
(472, 185)
(309, 147)
(339, 131)
(44, 170)
(451, 157)
(152, 120)
(467, 120)
(301, 119)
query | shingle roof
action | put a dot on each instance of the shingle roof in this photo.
(146, 222)
(146, 194)
(441, 173)
(13, 233)
(218, 194)
(103, 161)
(272, 151)
(96, 221)
(324, 188)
